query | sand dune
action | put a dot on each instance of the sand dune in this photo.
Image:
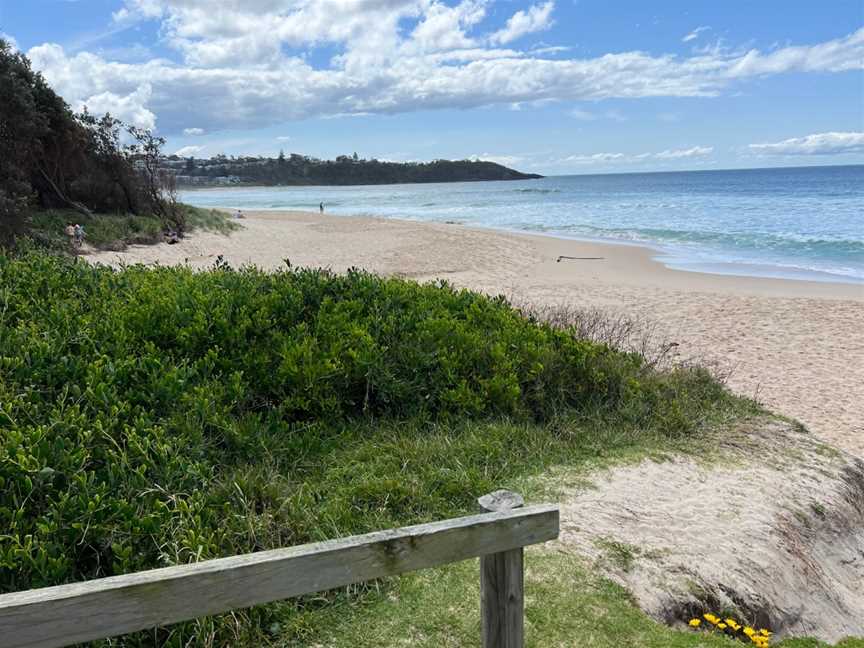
(748, 533)
(797, 346)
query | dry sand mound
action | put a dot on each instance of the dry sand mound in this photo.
(773, 530)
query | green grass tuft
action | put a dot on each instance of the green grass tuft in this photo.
(104, 231)
(212, 220)
(116, 231)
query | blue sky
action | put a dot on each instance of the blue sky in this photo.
(555, 86)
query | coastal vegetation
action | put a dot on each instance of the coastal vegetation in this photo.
(153, 417)
(295, 169)
(54, 158)
(116, 231)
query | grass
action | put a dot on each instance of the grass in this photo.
(211, 220)
(567, 604)
(375, 476)
(116, 231)
(104, 231)
(620, 554)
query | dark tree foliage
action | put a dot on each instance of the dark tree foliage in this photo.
(350, 170)
(50, 157)
(21, 124)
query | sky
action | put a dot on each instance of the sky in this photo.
(553, 86)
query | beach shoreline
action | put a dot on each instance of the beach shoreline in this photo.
(797, 346)
(798, 224)
(633, 262)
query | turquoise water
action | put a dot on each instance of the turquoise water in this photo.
(800, 223)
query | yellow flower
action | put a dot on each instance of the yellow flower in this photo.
(721, 626)
(710, 618)
(766, 633)
(749, 631)
(694, 623)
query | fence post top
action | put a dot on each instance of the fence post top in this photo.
(501, 500)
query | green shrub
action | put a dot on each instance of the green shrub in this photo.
(151, 417)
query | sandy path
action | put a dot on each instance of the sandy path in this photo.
(798, 346)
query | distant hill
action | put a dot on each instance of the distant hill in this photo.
(297, 169)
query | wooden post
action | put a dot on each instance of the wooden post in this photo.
(502, 600)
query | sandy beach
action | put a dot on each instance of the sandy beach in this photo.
(797, 346)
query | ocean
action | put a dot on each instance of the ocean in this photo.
(795, 223)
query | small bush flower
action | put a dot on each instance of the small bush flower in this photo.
(730, 627)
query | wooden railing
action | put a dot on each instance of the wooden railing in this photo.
(106, 607)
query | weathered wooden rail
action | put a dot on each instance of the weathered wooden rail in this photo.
(106, 607)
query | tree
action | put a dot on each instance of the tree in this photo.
(159, 186)
(20, 126)
(51, 157)
(109, 153)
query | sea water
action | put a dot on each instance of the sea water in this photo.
(799, 223)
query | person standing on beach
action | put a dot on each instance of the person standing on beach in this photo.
(321, 207)
(79, 235)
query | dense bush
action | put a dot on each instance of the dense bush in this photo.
(156, 416)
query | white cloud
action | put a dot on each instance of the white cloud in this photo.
(816, 144)
(693, 35)
(537, 18)
(139, 10)
(284, 138)
(244, 66)
(193, 131)
(550, 49)
(444, 27)
(695, 152)
(189, 151)
(130, 108)
(839, 55)
(596, 158)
